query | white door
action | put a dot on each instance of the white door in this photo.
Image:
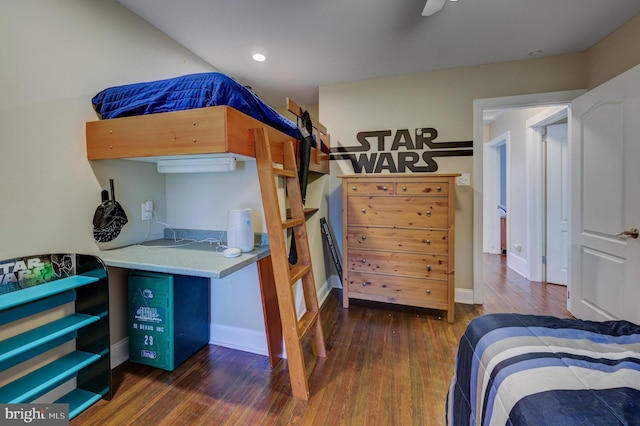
(558, 200)
(605, 146)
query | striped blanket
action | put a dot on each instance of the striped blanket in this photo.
(537, 370)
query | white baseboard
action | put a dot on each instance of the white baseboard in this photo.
(242, 339)
(253, 341)
(464, 295)
(518, 264)
(333, 282)
(119, 352)
(323, 292)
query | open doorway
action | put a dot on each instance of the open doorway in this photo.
(496, 182)
(526, 163)
(533, 188)
(547, 141)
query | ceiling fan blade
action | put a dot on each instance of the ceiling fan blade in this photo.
(432, 6)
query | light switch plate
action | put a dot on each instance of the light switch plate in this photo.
(147, 210)
(464, 180)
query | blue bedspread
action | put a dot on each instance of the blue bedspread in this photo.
(188, 92)
(537, 370)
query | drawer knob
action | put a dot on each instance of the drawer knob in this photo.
(428, 242)
(429, 268)
(439, 188)
(384, 188)
(364, 210)
(428, 213)
(364, 261)
(364, 283)
(364, 237)
(354, 188)
(428, 291)
(404, 188)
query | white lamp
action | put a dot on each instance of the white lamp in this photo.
(197, 165)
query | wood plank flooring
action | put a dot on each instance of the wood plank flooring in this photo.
(385, 365)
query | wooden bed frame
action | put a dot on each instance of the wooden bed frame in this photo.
(196, 133)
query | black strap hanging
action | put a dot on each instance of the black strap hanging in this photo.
(305, 138)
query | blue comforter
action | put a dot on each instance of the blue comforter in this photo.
(188, 92)
(536, 370)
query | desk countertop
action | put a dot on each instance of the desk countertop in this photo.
(166, 255)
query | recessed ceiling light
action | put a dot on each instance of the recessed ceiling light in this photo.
(259, 57)
(535, 52)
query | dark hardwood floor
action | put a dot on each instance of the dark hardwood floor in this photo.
(385, 365)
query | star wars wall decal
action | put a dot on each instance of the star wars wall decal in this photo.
(399, 151)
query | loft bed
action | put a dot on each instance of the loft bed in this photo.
(197, 116)
(210, 115)
(539, 370)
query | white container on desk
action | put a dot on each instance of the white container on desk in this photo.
(240, 230)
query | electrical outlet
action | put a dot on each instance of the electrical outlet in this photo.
(147, 210)
(464, 180)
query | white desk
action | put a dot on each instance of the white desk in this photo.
(203, 260)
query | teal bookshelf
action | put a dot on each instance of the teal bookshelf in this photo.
(33, 285)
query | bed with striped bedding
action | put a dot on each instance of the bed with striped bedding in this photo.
(537, 370)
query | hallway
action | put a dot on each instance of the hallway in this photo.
(508, 291)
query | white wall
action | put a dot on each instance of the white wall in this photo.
(202, 201)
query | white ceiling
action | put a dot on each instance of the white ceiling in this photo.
(313, 43)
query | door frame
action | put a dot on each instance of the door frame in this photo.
(535, 183)
(479, 105)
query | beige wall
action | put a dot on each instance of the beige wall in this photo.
(56, 57)
(443, 100)
(614, 54)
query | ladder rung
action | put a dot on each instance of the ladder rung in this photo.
(291, 223)
(307, 321)
(298, 271)
(285, 173)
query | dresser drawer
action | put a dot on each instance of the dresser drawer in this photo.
(422, 188)
(415, 240)
(405, 264)
(394, 288)
(371, 188)
(419, 212)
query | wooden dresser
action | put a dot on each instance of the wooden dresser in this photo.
(398, 239)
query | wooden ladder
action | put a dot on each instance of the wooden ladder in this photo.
(286, 275)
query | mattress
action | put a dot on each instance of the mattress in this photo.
(537, 370)
(188, 92)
